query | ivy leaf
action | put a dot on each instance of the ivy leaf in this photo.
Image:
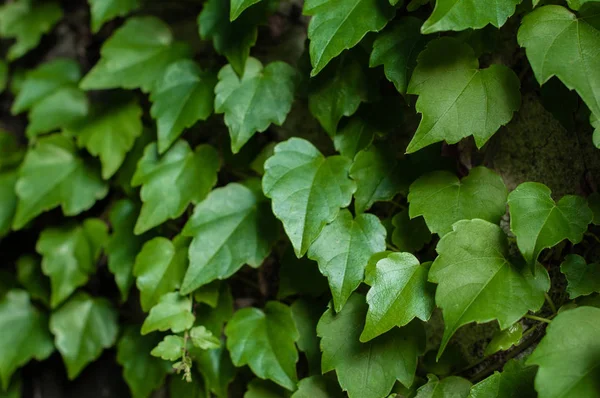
(448, 81)
(306, 315)
(178, 387)
(70, 254)
(300, 276)
(264, 340)
(569, 355)
(343, 249)
(472, 271)
(135, 56)
(109, 132)
(27, 22)
(159, 268)
(104, 10)
(123, 245)
(54, 174)
(214, 318)
(338, 91)
(594, 205)
(252, 102)
(306, 188)
(217, 369)
(142, 372)
(399, 293)
(14, 390)
(442, 199)
(258, 388)
(208, 294)
(540, 223)
(368, 370)
(453, 386)
(318, 387)
(83, 327)
(203, 338)
(409, 235)
(595, 122)
(127, 170)
(516, 380)
(582, 278)
(469, 14)
(45, 80)
(338, 26)
(11, 151)
(233, 39)
(29, 274)
(8, 199)
(170, 349)
(577, 4)
(378, 177)
(172, 181)
(173, 312)
(504, 339)
(230, 228)
(397, 48)
(238, 6)
(61, 109)
(356, 135)
(24, 334)
(540, 33)
(184, 95)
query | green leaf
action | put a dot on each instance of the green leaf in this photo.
(397, 48)
(409, 235)
(582, 278)
(343, 249)
(123, 245)
(448, 81)
(172, 181)
(159, 268)
(306, 315)
(30, 276)
(307, 189)
(135, 56)
(170, 349)
(70, 254)
(264, 340)
(540, 223)
(233, 39)
(15, 390)
(594, 205)
(178, 387)
(318, 387)
(505, 339)
(125, 173)
(203, 338)
(3, 75)
(238, 6)
(83, 327)
(11, 151)
(450, 387)
(103, 11)
(577, 4)
(173, 312)
(24, 334)
(184, 95)
(26, 22)
(214, 318)
(516, 380)
(230, 228)
(355, 136)
(299, 276)
(553, 34)
(378, 177)
(442, 199)
(8, 200)
(469, 14)
(45, 80)
(338, 91)
(258, 388)
(109, 132)
(569, 355)
(472, 271)
(142, 372)
(368, 370)
(54, 174)
(61, 109)
(252, 102)
(337, 26)
(208, 294)
(595, 122)
(217, 369)
(399, 293)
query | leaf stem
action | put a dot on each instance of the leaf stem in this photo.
(550, 303)
(392, 247)
(537, 318)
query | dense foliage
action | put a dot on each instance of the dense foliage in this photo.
(276, 198)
